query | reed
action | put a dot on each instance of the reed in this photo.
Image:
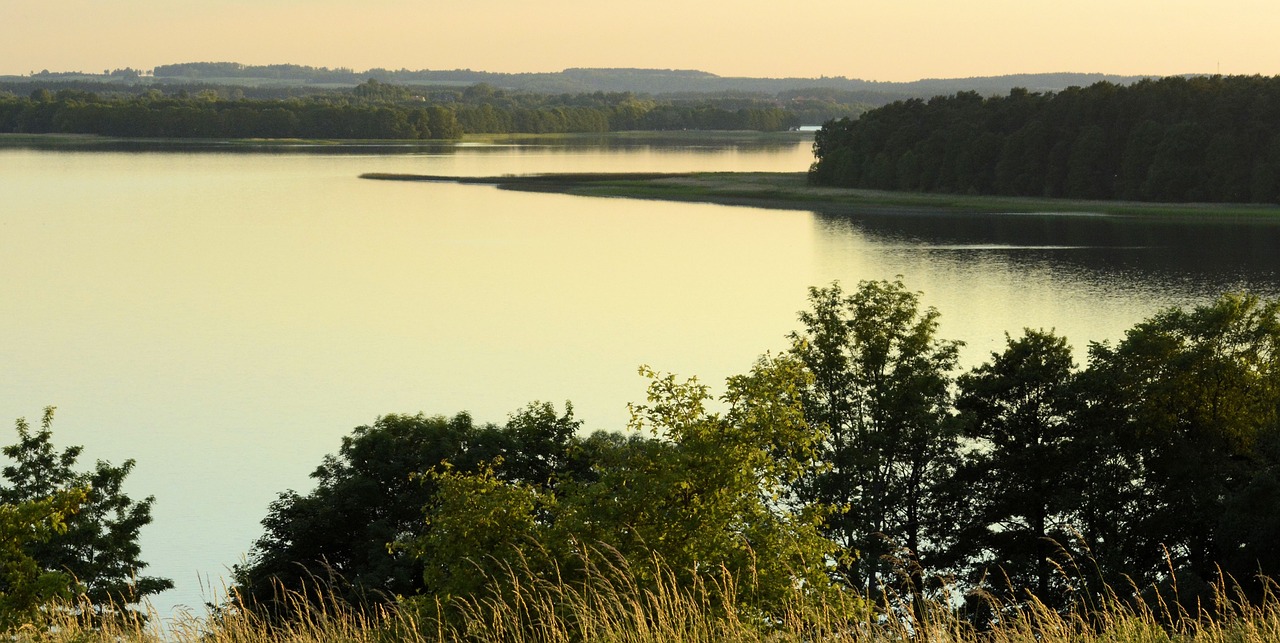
(610, 604)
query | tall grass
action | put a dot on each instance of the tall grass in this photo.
(612, 606)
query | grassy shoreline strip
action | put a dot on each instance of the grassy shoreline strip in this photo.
(791, 191)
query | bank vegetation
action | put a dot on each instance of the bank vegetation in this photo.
(854, 486)
(1202, 139)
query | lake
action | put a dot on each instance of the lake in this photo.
(225, 317)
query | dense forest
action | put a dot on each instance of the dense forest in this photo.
(1203, 139)
(375, 110)
(857, 466)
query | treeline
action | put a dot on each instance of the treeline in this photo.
(657, 82)
(856, 460)
(1203, 139)
(371, 110)
(68, 537)
(208, 117)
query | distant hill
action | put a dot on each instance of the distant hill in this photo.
(655, 82)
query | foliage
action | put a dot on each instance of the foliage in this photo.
(27, 587)
(1020, 482)
(1188, 403)
(477, 525)
(372, 110)
(708, 492)
(95, 524)
(880, 388)
(365, 498)
(1204, 139)
(699, 502)
(856, 464)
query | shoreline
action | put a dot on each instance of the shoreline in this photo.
(63, 139)
(791, 191)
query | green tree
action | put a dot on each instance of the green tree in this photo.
(26, 586)
(709, 494)
(702, 499)
(366, 497)
(880, 391)
(479, 530)
(1021, 475)
(99, 546)
(1187, 405)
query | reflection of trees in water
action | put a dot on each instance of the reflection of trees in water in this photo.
(1183, 254)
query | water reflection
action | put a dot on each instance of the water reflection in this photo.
(1190, 256)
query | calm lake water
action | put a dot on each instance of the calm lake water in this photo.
(225, 318)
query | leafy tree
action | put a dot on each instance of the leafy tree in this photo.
(1187, 402)
(709, 494)
(26, 587)
(700, 499)
(97, 544)
(1251, 523)
(366, 497)
(880, 390)
(1021, 476)
(477, 527)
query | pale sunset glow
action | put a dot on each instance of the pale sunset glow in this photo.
(888, 41)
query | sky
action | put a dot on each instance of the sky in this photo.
(887, 40)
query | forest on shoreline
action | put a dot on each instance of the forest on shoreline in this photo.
(290, 80)
(1203, 139)
(375, 110)
(268, 100)
(856, 473)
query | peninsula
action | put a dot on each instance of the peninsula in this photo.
(792, 191)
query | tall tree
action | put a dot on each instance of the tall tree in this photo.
(1020, 477)
(1188, 401)
(881, 380)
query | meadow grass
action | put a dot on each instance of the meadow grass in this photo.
(612, 606)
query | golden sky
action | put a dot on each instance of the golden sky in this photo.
(883, 40)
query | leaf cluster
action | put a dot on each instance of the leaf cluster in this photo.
(71, 533)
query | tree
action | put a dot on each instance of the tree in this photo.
(367, 497)
(880, 392)
(1021, 476)
(700, 502)
(26, 587)
(479, 531)
(709, 493)
(96, 544)
(1187, 402)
